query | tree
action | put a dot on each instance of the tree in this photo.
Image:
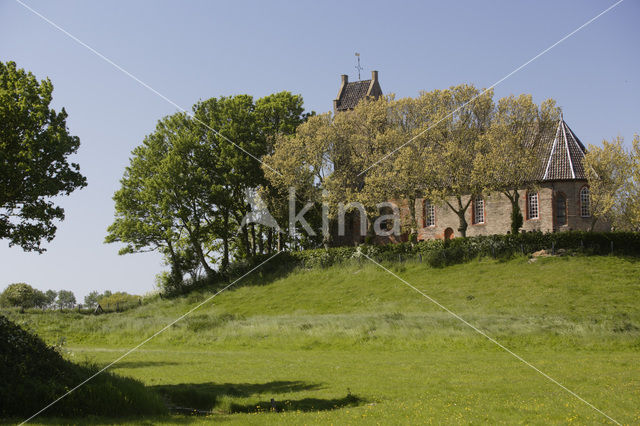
(607, 168)
(39, 299)
(21, 295)
(34, 168)
(66, 299)
(460, 117)
(91, 299)
(184, 191)
(633, 186)
(144, 220)
(510, 150)
(50, 298)
(278, 115)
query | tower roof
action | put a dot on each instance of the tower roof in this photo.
(564, 154)
(351, 93)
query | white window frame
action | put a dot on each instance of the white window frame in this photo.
(585, 202)
(429, 214)
(478, 210)
(533, 206)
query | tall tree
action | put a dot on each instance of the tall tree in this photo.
(462, 115)
(34, 148)
(145, 219)
(91, 299)
(302, 162)
(607, 169)
(66, 299)
(50, 297)
(511, 149)
(184, 191)
(633, 189)
(22, 295)
(278, 115)
(233, 170)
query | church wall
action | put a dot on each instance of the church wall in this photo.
(497, 213)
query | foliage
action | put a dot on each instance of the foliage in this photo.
(441, 253)
(607, 169)
(118, 301)
(34, 148)
(444, 145)
(22, 295)
(50, 297)
(510, 153)
(34, 374)
(66, 299)
(625, 214)
(516, 218)
(184, 191)
(91, 299)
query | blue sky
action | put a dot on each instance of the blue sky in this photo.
(195, 50)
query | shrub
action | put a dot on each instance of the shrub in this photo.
(34, 375)
(23, 296)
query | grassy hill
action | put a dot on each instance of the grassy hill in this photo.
(354, 343)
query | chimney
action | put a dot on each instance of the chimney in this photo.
(374, 76)
(345, 78)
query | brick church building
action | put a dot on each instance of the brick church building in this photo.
(560, 203)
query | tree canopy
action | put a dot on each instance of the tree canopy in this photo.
(184, 192)
(34, 148)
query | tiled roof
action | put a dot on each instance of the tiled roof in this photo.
(353, 93)
(563, 155)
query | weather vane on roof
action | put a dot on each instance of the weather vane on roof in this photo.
(358, 67)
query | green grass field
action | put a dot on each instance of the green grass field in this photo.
(353, 344)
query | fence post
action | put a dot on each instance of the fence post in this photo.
(553, 247)
(611, 246)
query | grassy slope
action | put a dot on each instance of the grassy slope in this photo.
(309, 336)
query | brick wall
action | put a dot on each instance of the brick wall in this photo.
(497, 213)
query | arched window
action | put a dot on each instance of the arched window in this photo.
(532, 205)
(561, 210)
(585, 202)
(429, 213)
(478, 210)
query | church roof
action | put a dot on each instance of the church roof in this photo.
(563, 155)
(353, 92)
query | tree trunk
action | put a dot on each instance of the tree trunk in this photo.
(195, 244)
(269, 240)
(176, 267)
(253, 239)
(462, 227)
(260, 239)
(224, 263)
(245, 241)
(461, 211)
(593, 224)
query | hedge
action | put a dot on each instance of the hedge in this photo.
(441, 253)
(436, 253)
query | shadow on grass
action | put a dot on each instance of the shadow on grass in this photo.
(305, 404)
(143, 364)
(204, 396)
